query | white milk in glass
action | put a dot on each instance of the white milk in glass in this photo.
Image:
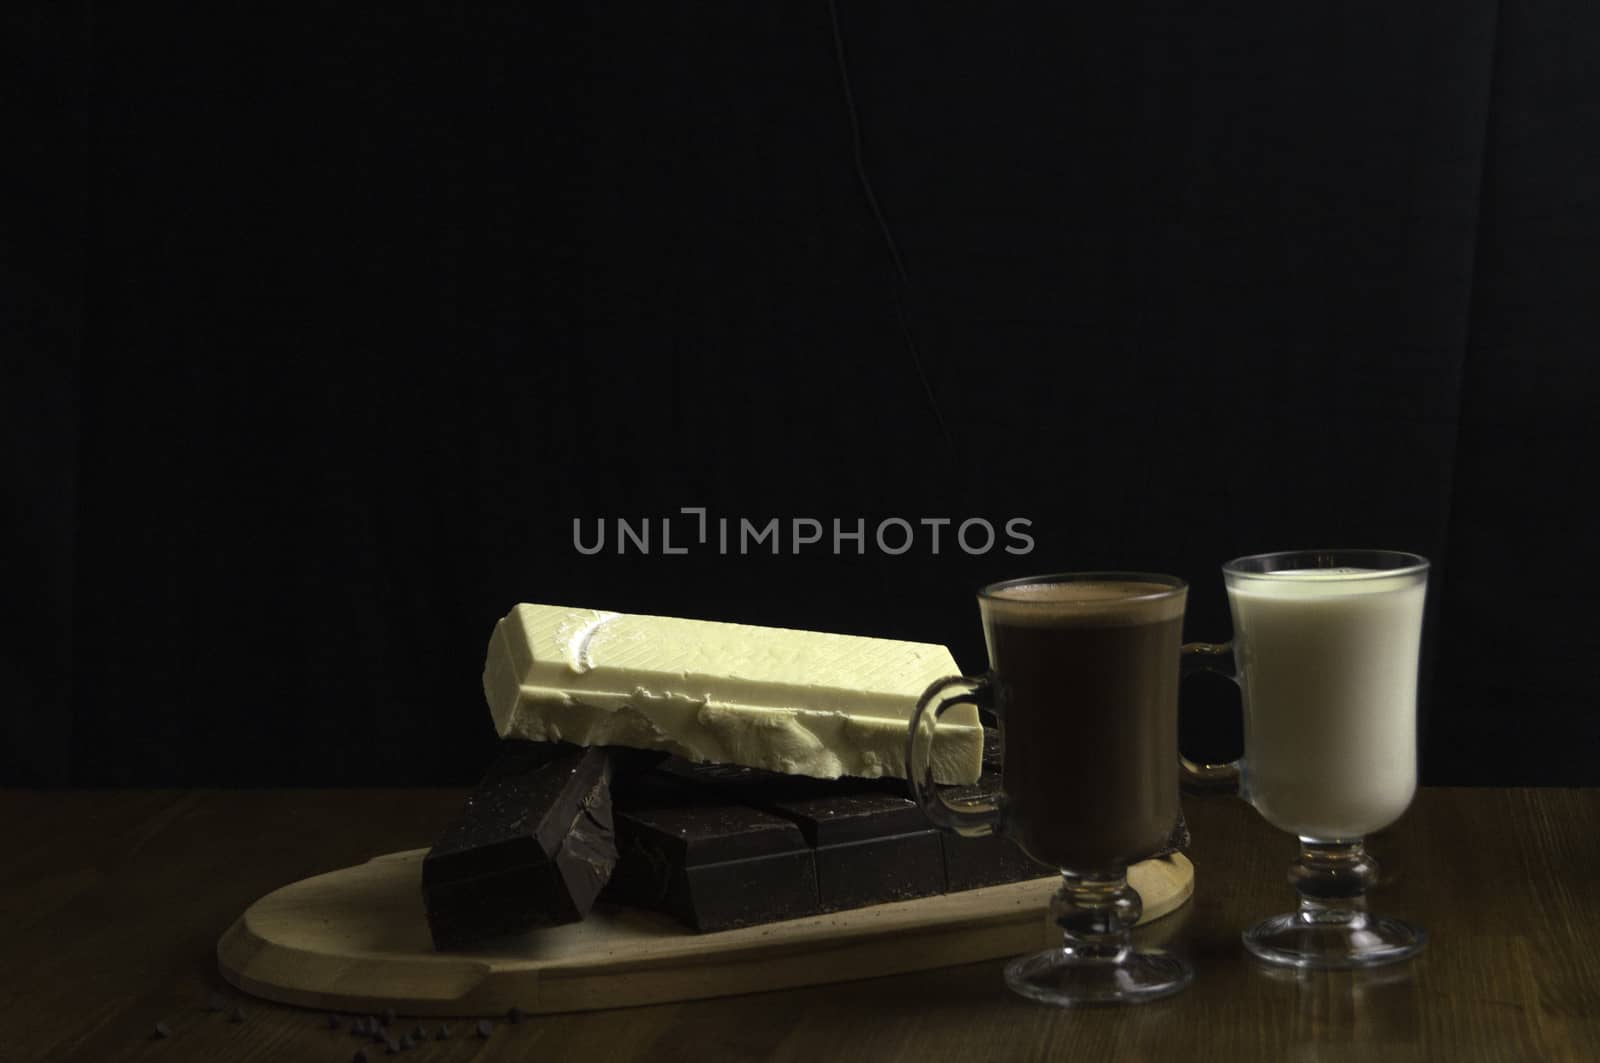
(1328, 668)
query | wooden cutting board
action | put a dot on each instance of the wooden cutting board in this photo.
(356, 940)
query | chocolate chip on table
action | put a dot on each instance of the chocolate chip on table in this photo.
(444, 1033)
(485, 1028)
(514, 1016)
(163, 1031)
(214, 1002)
(237, 1016)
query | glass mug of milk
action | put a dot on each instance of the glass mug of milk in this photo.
(1325, 651)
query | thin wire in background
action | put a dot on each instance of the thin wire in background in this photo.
(902, 295)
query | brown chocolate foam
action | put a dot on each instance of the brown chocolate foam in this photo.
(1085, 601)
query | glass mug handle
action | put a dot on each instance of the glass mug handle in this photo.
(973, 816)
(1208, 779)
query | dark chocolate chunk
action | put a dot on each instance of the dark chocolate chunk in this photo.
(871, 843)
(485, 1028)
(163, 1031)
(869, 848)
(987, 861)
(237, 1016)
(443, 1034)
(214, 1002)
(709, 864)
(514, 1015)
(689, 844)
(532, 848)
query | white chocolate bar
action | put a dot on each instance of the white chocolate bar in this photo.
(802, 702)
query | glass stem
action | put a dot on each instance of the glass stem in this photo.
(1332, 878)
(1095, 911)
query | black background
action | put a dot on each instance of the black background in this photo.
(326, 323)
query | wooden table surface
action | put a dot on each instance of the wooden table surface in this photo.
(111, 903)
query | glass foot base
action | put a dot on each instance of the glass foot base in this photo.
(1069, 979)
(1333, 939)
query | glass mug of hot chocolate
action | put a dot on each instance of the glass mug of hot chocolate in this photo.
(1083, 678)
(1325, 651)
